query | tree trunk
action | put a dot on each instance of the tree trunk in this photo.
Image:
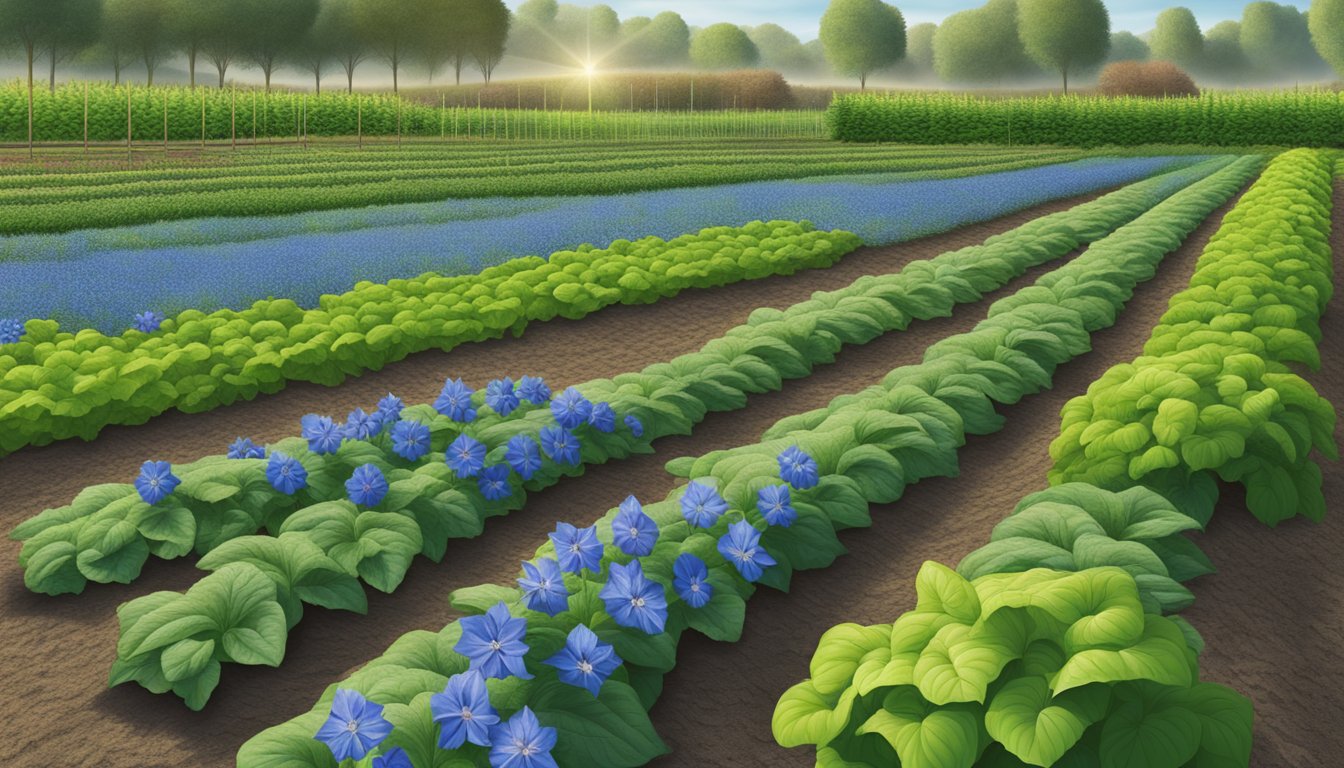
(863, 82)
(394, 76)
(317, 77)
(149, 71)
(52, 85)
(116, 72)
(191, 65)
(349, 80)
(266, 70)
(1065, 72)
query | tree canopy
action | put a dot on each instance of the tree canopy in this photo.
(1064, 35)
(861, 37)
(1177, 38)
(1126, 46)
(1326, 24)
(980, 45)
(723, 46)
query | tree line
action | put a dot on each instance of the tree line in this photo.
(1000, 42)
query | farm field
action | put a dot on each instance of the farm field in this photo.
(714, 699)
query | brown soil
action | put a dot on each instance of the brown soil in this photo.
(1273, 615)
(56, 651)
(717, 704)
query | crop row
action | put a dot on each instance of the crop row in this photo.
(1077, 695)
(866, 451)
(322, 159)
(667, 397)
(218, 114)
(1232, 119)
(75, 208)
(1213, 394)
(57, 385)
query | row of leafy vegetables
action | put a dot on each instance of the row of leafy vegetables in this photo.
(562, 669)
(356, 502)
(1054, 644)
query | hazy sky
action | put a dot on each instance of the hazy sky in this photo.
(803, 16)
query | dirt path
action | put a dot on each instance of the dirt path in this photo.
(1273, 615)
(719, 701)
(56, 651)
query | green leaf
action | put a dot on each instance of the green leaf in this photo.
(960, 662)
(196, 690)
(924, 736)
(1014, 555)
(1227, 717)
(1037, 727)
(1159, 656)
(942, 589)
(610, 731)
(803, 715)
(478, 600)
(54, 570)
(111, 551)
(1175, 420)
(1144, 731)
(186, 658)
(842, 649)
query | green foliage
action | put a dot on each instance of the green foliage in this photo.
(980, 45)
(723, 46)
(199, 361)
(1303, 118)
(1177, 38)
(1126, 46)
(1327, 31)
(1213, 393)
(1064, 35)
(1047, 666)
(861, 37)
(1276, 39)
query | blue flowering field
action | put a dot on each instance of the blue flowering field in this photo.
(214, 263)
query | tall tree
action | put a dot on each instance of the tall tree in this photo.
(189, 29)
(140, 27)
(1326, 24)
(29, 24)
(1277, 40)
(225, 33)
(532, 35)
(489, 33)
(391, 28)
(1064, 35)
(341, 39)
(862, 37)
(780, 49)
(276, 29)
(981, 45)
(1177, 38)
(1223, 57)
(76, 27)
(666, 42)
(919, 46)
(723, 46)
(1126, 46)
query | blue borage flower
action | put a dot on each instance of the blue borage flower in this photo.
(362, 426)
(148, 322)
(524, 455)
(798, 469)
(632, 530)
(603, 418)
(463, 711)
(455, 401)
(394, 758)
(494, 483)
(11, 330)
(585, 661)
(390, 408)
(634, 601)
(741, 546)
(635, 425)
(156, 481)
(354, 727)
(244, 448)
(466, 456)
(286, 474)
(691, 580)
(775, 505)
(522, 742)
(323, 435)
(534, 390)
(577, 548)
(366, 486)
(410, 440)
(501, 398)
(571, 409)
(543, 587)
(494, 643)
(560, 445)
(702, 506)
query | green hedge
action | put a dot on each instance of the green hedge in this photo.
(1242, 119)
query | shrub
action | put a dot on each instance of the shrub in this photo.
(1146, 78)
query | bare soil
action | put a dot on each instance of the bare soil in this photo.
(56, 651)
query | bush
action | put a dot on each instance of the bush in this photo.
(1146, 78)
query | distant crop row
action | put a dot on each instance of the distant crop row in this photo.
(753, 516)
(121, 199)
(1286, 118)
(222, 115)
(1064, 611)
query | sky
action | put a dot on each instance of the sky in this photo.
(803, 16)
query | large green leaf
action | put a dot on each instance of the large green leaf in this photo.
(1040, 728)
(610, 731)
(1160, 656)
(843, 649)
(925, 736)
(803, 715)
(959, 664)
(1147, 730)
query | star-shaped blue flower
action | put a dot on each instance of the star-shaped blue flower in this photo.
(522, 742)
(543, 587)
(634, 601)
(585, 661)
(463, 711)
(286, 474)
(410, 440)
(466, 456)
(632, 530)
(797, 468)
(494, 643)
(156, 481)
(702, 506)
(741, 546)
(354, 727)
(776, 506)
(571, 409)
(691, 580)
(577, 548)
